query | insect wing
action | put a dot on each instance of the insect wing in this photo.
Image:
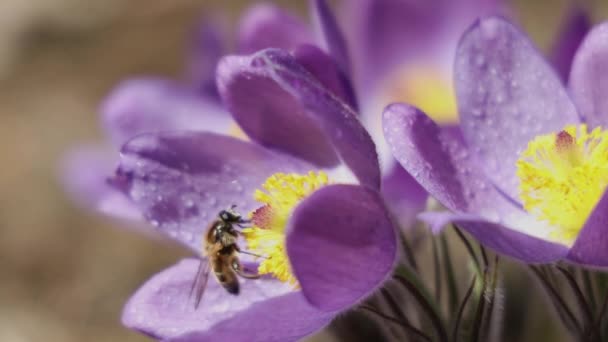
(200, 282)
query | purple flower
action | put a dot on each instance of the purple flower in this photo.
(310, 178)
(180, 164)
(529, 178)
(144, 104)
(403, 51)
(152, 104)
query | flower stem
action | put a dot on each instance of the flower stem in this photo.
(426, 305)
(407, 326)
(460, 313)
(560, 305)
(469, 248)
(449, 272)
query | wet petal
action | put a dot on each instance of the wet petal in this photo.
(591, 246)
(575, 27)
(293, 112)
(264, 310)
(85, 172)
(588, 82)
(334, 39)
(265, 26)
(507, 95)
(324, 68)
(441, 164)
(181, 180)
(502, 239)
(151, 104)
(342, 245)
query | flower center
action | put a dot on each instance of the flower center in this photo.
(280, 195)
(426, 88)
(563, 176)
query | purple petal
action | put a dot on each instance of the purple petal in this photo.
(85, 172)
(439, 220)
(150, 105)
(265, 26)
(575, 27)
(502, 239)
(404, 196)
(507, 95)
(441, 164)
(342, 245)
(591, 246)
(207, 47)
(332, 35)
(385, 32)
(265, 310)
(588, 82)
(324, 68)
(293, 112)
(181, 180)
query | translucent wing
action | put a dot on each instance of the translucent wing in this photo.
(200, 282)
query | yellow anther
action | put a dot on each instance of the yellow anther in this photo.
(562, 177)
(280, 195)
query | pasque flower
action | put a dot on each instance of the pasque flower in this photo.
(292, 156)
(388, 55)
(403, 51)
(147, 104)
(308, 178)
(152, 104)
(530, 177)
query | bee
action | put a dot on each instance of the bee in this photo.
(221, 251)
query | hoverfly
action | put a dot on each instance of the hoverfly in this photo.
(221, 250)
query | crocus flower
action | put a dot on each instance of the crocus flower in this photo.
(530, 178)
(309, 179)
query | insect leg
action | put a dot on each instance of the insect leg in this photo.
(238, 268)
(238, 249)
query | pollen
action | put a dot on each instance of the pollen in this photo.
(279, 195)
(562, 177)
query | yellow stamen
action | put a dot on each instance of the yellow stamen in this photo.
(426, 88)
(282, 193)
(562, 177)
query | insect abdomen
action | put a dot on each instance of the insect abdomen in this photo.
(225, 275)
(232, 287)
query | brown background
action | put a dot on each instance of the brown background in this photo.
(64, 272)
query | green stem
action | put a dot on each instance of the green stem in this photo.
(449, 271)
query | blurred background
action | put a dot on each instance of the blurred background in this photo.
(65, 272)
